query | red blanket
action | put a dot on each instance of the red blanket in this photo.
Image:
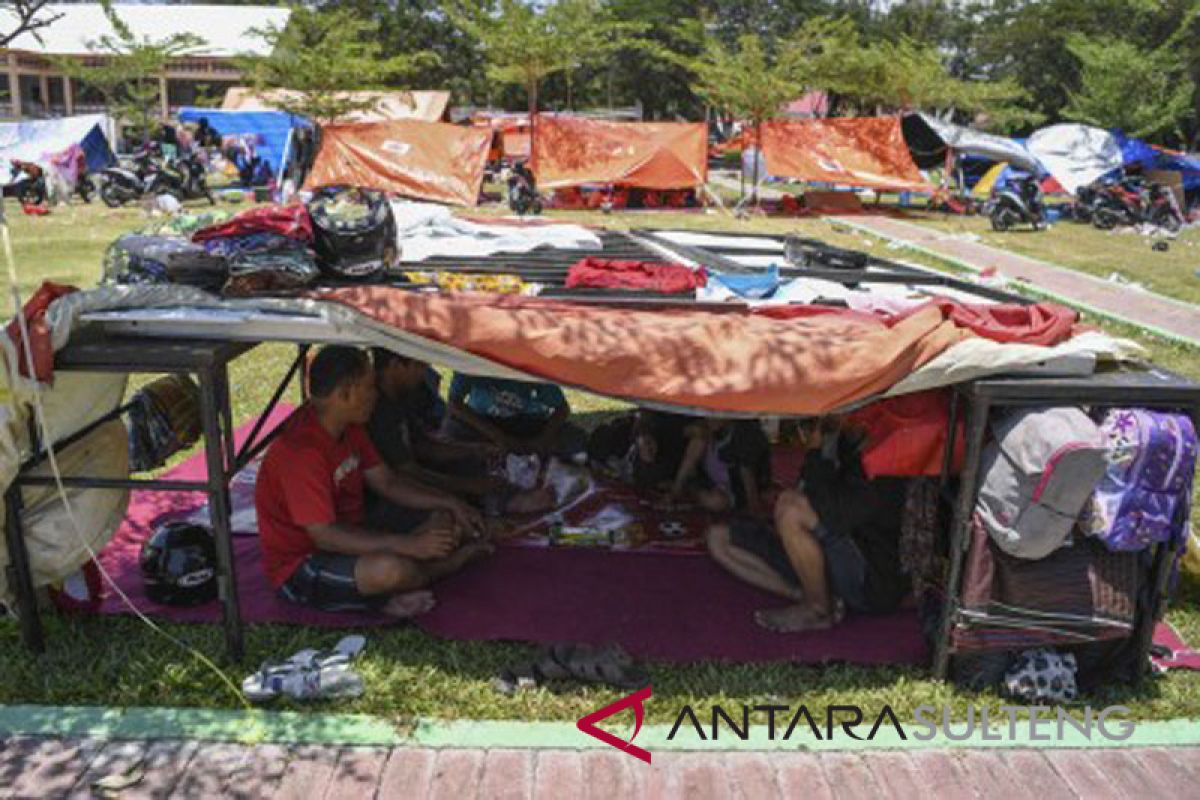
(655, 276)
(290, 220)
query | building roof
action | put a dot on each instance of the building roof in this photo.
(224, 28)
(426, 105)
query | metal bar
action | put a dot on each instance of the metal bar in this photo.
(976, 423)
(247, 456)
(218, 509)
(42, 454)
(85, 482)
(302, 357)
(20, 574)
(951, 442)
(228, 448)
(240, 459)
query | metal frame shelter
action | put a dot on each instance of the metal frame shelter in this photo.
(114, 343)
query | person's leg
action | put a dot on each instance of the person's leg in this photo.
(713, 500)
(795, 522)
(744, 563)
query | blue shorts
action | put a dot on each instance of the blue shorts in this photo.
(326, 581)
(845, 566)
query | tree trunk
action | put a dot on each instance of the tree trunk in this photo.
(532, 91)
(757, 155)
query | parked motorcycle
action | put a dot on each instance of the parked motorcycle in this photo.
(522, 191)
(125, 182)
(27, 183)
(1161, 210)
(1018, 202)
(184, 179)
(1119, 202)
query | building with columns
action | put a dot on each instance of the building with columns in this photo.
(37, 88)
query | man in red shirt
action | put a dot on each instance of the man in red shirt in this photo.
(320, 545)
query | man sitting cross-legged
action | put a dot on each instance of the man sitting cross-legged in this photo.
(320, 545)
(834, 544)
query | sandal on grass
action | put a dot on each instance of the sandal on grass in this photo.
(608, 665)
(309, 673)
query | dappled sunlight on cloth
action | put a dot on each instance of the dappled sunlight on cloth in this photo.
(736, 362)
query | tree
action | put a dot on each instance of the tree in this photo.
(744, 81)
(1142, 92)
(524, 43)
(28, 16)
(322, 56)
(129, 76)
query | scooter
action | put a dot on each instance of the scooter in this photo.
(1161, 210)
(522, 191)
(185, 179)
(1018, 202)
(1119, 203)
(27, 187)
(124, 183)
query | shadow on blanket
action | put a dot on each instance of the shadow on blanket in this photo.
(669, 606)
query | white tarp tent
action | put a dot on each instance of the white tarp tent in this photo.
(977, 143)
(1076, 155)
(38, 139)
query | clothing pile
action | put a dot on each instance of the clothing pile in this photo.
(654, 276)
(266, 249)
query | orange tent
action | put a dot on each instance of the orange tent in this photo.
(853, 151)
(423, 160)
(569, 151)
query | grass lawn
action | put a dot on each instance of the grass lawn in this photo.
(1096, 252)
(120, 662)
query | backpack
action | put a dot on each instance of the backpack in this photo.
(1038, 475)
(1151, 459)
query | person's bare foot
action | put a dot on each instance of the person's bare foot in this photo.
(471, 551)
(409, 604)
(793, 619)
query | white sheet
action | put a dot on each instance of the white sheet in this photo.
(1076, 155)
(425, 230)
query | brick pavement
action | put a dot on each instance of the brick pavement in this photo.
(1179, 319)
(34, 767)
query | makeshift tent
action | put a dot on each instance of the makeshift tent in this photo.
(1076, 155)
(429, 106)
(422, 160)
(571, 151)
(39, 140)
(928, 138)
(813, 104)
(513, 130)
(863, 151)
(272, 129)
(1148, 157)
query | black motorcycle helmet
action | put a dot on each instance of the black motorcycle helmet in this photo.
(354, 232)
(179, 565)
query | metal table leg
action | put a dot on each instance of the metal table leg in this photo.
(219, 506)
(20, 575)
(977, 412)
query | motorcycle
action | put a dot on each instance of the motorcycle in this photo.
(184, 179)
(125, 182)
(1119, 202)
(522, 191)
(1020, 201)
(26, 186)
(1161, 210)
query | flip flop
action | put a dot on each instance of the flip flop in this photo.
(272, 677)
(609, 665)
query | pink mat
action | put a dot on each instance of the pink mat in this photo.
(1182, 655)
(660, 606)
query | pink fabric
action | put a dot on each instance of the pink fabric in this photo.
(1183, 656)
(292, 221)
(655, 276)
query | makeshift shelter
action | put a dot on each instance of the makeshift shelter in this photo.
(272, 130)
(570, 151)
(42, 139)
(929, 138)
(1148, 157)
(851, 151)
(422, 160)
(512, 130)
(430, 106)
(1076, 155)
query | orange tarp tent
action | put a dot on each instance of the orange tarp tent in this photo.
(570, 151)
(852, 151)
(729, 362)
(422, 160)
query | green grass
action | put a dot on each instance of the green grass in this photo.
(120, 662)
(1096, 252)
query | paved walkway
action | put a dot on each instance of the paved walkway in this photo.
(1152, 311)
(47, 768)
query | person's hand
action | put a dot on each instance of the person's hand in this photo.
(433, 544)
(468, 518)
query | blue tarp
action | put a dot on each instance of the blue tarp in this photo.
(1135, 152)
(38, 139)
(271, 128)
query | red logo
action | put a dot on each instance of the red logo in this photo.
(588, 724)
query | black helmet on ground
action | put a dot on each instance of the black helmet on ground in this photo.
(179, 563)
(354, 233)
